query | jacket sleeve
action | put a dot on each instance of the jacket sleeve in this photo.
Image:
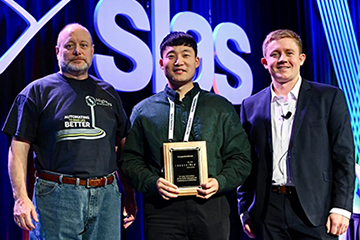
(235, 154)
(133, 162)
(342, 147)
(245, 191)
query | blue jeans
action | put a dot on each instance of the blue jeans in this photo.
(75, 212)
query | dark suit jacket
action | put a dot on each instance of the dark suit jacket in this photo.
(321, 152)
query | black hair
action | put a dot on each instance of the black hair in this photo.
(178, 39)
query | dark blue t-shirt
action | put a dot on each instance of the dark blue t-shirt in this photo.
(72, 124)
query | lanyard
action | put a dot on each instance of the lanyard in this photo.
(189, 122)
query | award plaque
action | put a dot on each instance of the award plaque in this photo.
(185, 165)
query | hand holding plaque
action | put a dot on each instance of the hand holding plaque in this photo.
(185, 165)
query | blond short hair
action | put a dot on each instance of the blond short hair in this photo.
(279, 34)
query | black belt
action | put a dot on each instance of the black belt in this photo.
(89, 183)
(283, 189)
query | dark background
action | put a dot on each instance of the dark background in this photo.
(256, 17)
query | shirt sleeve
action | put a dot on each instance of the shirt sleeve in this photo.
(342, 212)
(123, 121)
(22, 118)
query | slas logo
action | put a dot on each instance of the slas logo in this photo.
(213, 46)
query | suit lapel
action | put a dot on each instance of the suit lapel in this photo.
(301, 108)
(265, 114)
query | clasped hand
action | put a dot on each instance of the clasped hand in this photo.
(168, 190)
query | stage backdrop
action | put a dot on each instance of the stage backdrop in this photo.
(126, 34)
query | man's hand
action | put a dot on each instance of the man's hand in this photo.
(130, 209)
(208, 189)
(248, 228)
(24, 212)
(166, 189)
(337, 224)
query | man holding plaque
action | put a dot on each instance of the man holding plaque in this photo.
(185, 149)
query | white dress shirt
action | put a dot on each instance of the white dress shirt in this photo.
(283, 110)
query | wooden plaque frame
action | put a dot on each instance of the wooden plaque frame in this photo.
(186, 157)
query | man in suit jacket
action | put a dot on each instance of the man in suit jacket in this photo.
(302, 182)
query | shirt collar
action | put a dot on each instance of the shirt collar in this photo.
(174, 96)
(294, 92)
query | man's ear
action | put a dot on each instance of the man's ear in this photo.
(302, 59)
(264, 62)
(197, 60)
(161, 64)
(57, 52)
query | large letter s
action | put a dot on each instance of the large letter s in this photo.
(232, 63)
(197, 24)
(123, 43)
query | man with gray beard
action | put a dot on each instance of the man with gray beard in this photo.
(75, 123)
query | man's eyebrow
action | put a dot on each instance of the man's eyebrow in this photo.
(172, 51)
(289, 49)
